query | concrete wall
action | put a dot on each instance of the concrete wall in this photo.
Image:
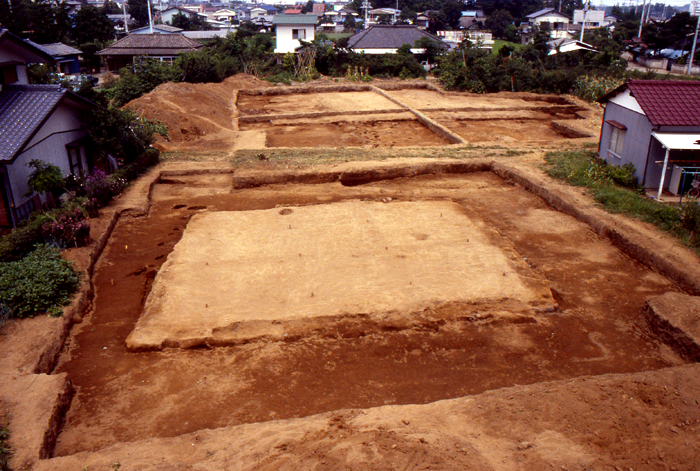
(637, 137)
(680, 69)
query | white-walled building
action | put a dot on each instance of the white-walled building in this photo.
(593, 18)
(292, 28)
(558, 23)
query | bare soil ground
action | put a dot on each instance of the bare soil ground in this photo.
(498, 382)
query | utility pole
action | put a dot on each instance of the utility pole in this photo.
(366, 6)
(586, 7)
(126, 20)
(641, 21)
(695, 38)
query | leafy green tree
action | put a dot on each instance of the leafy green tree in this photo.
(308, 7)
(92, 25)
(498, 21)
(568, 7)
(660, 35)
(384, 19)
(111, 8)
(138, 9)
(349, 23)
(91, 61)
(45, 178)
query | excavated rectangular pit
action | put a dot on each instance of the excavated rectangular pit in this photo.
(240, 275)
(459, 233)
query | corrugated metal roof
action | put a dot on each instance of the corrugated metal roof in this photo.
(294, 20)
(23, 109)
(151, 45)
(668, 102)
(388, 37)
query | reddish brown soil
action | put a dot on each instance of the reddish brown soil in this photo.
(350, 134)
(126, 396)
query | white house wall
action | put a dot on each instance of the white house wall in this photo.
(49, 145)
(284, 40)
(626, 100)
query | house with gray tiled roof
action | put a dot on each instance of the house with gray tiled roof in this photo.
(164, 47)
(385, 39)
(36, 122)
(654, 125)
(65, 58)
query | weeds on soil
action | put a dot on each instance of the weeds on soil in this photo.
(616, 190)
(5, 451)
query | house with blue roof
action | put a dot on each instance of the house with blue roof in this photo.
(40, 122)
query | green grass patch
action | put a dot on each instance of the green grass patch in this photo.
(499, 43)
(615, 189)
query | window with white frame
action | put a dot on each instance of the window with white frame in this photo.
(298, 34)
(617, 138)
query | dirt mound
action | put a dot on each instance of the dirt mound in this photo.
(197, 114)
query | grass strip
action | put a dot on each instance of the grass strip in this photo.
(615, 189)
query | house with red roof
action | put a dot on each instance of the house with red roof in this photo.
(654, 125)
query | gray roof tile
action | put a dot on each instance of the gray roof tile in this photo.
(23, 109)
(151, 44)
(388, 37)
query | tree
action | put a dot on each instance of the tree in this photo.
(138, 9)
(568, 7)
(92, 25)
(660, 35)
(309, 7)
(349, 23)
(498, 21)
(111, 8)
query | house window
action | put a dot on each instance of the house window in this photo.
(298, 34)
(75, 158)
(617, 138)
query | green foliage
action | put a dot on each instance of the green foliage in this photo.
(40, 282)
(5, 450)
(92, 25)
(592, 88)
(71, 229)
(121, 133)
(45, 178)
(21, 240)
(616, 190)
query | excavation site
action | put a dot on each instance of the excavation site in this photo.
(419, 313)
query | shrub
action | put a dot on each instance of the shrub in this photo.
(69, 230)
(45, 178)
(20, 241)
(40, 282)
(102, 187)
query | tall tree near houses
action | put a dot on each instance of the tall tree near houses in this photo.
(138, 9)
(92, 25)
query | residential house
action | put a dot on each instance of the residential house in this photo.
(158, 29)
(654, 125)
(163, 47)
(263, 14)
(15, 54)
(548, 19)
(472, 19)
(166, 16)
(120, 21)
(373, 16)
(592, 18)
(65, 58)
(387, 39)
(36, 122)
(290, 29)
